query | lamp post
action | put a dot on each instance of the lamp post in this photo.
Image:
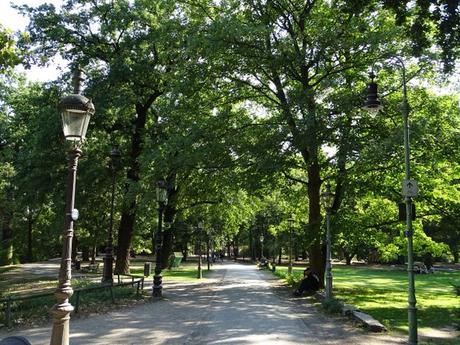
(107, 276)
(200, 232)
(162, 195)
(76, 111)
(262, 246)
(409, 190)
(290, 221)
(328, 198)
(208, 246)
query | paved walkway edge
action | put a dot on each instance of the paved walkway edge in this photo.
(355, 314)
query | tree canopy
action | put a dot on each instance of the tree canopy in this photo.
(246, 109)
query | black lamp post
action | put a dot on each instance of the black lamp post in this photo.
(107, 277)
(76, 111)
(200, 232)
(162, 195)
(409, 190)
(328, 198)
(290, 221)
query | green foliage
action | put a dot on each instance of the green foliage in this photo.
(332, 306)
(246, 108)
(10, 54)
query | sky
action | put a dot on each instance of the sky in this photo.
(11, 19)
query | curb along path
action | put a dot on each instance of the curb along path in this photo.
(237, 304)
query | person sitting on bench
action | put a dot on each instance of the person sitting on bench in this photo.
(309, 283)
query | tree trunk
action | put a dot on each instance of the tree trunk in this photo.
(169, 217)
(6, 246)
(29, 239)
(128, 215)
(125, 234)
(454, 250)
(229, 252)
(252, 247)
(166, 249)
(93, 253)
(316, 259)
(85, 253)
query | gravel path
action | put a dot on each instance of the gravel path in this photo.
(238, 305)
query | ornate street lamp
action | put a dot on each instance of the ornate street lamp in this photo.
(107, 277)
(409, 190)
(162, 195)
(290, 222)
(372, 103)
(327, 199)
(76, 111)
(200, 232)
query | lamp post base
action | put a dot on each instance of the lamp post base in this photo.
(157, 286)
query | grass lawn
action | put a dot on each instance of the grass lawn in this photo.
(382, 293)
(187, 271)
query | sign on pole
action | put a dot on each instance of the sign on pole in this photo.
(409, 188)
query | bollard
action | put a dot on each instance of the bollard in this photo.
(8, 312)
(147, 269)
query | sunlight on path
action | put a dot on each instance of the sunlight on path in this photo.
(238, 305)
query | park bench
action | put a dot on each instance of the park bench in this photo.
(175, 259)
(91, 268)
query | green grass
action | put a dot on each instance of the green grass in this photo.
(186, 272)
(382, 293)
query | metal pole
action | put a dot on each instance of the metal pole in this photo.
(290, 249)
(157, 279)
(207, 253)
(328, 255)
(108, 259)
(62, 309)
(200, 272)
(412, 309)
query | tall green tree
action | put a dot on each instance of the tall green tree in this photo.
(132, 51)
(288, 56)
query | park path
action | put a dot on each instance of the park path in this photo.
(239, 304)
